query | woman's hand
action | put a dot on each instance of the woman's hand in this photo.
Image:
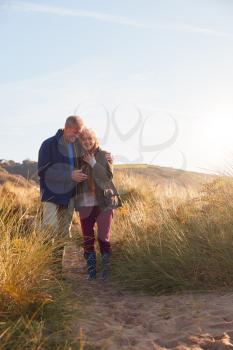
(90, 159)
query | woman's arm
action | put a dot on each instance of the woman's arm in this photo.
(102, 169)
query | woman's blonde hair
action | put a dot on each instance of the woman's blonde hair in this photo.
(89, 132)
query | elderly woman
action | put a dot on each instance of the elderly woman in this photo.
(96, 199)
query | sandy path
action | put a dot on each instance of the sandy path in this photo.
(114, 319)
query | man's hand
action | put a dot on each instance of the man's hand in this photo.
(78, 176)
(109, 157)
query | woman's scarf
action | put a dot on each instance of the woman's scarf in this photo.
(87, 169)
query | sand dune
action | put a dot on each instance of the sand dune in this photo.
(114, 319)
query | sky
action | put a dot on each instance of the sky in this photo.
(153, 78)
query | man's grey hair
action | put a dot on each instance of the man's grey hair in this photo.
(74, 120)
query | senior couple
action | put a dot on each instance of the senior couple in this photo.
(76, 174)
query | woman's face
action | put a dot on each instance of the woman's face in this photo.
(88, 141)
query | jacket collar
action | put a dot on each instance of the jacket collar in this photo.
(59, 134)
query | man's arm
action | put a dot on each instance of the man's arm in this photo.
(44, 160)
(49, 169)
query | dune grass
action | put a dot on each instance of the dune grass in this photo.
(33, 303)
(165, 239)
(168, 243)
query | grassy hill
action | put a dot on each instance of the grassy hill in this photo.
(16, 179)
(27, 169)
(161, 176)
(169, 236)
(164, 177)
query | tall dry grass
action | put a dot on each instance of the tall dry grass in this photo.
(28, 284)
(173, 240)
(166, 238)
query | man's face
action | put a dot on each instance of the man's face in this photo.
(71, 133)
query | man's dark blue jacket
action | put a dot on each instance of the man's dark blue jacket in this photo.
(54, 170)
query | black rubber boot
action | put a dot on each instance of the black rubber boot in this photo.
(91, 265)
(105, 266)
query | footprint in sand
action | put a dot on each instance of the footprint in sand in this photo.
(114, 319)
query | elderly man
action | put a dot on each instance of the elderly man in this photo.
(58, 178)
